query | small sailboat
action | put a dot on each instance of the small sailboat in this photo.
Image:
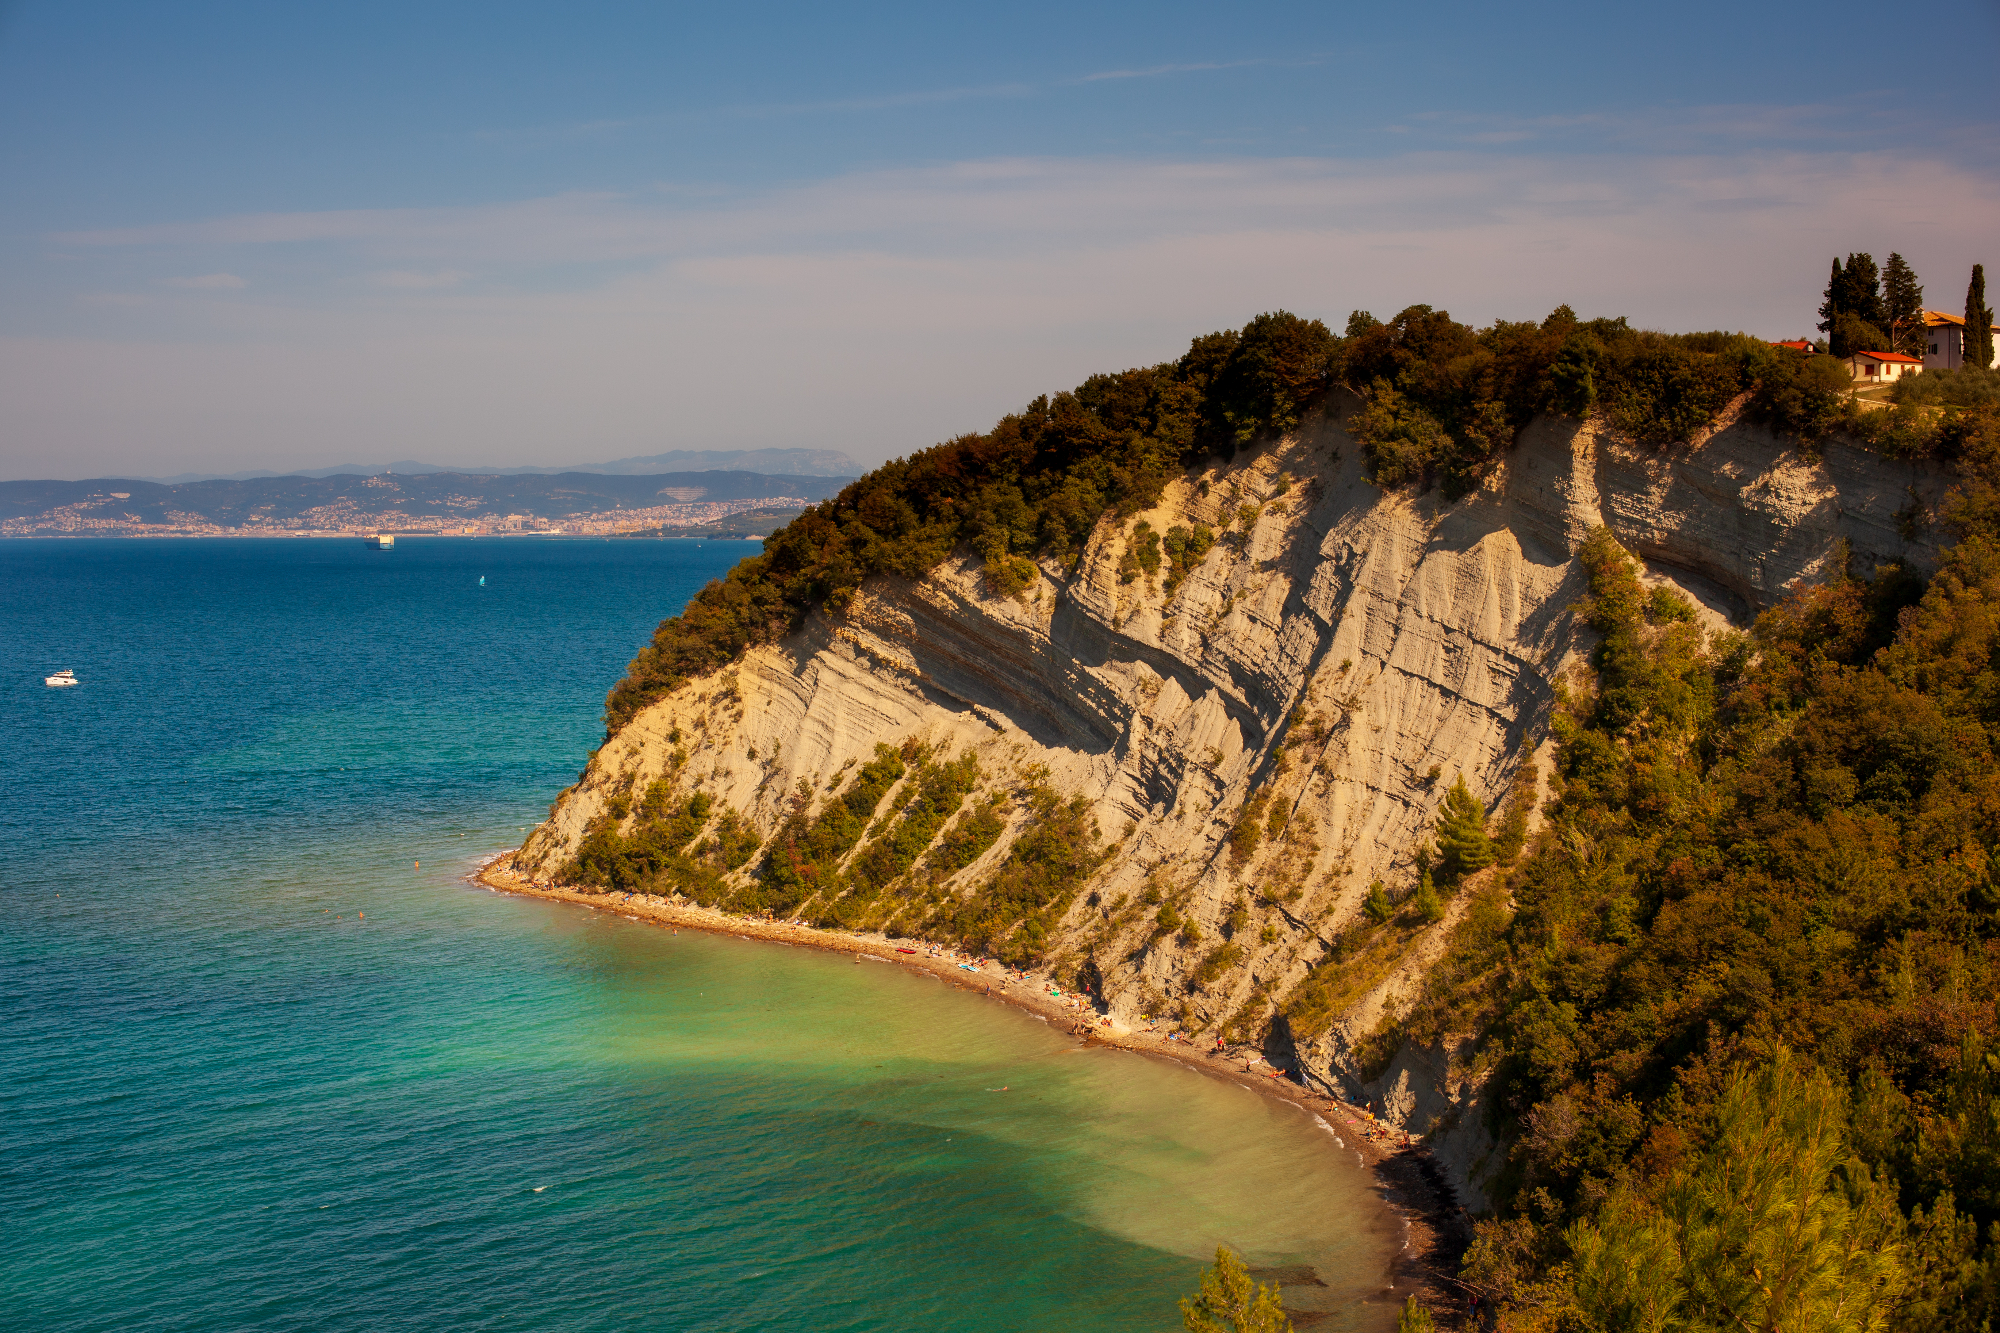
(61, 680)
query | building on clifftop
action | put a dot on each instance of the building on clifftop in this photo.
(1944, 341)
(1882, 367)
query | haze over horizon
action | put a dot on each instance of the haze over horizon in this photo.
(242, 238)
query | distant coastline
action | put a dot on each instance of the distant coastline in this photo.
(699, 533)
(437, 504)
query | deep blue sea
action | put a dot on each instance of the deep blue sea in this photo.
(268, 1061)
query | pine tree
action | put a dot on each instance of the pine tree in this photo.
(1903, 304)
(1861, 293)
(1851, 316)
(1429, 906)
(1414, 1319)
(1378, 906)
(1461, 833)
(1230, 1302)
(1772, 1227)
(1978, 321)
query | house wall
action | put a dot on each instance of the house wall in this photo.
(1944, 347)
(1878, 372)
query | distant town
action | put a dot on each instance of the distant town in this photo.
(434, 504)
(88, 518)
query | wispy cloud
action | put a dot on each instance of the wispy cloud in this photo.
(881, 102)
(208, 282)
(407, 280)
(912, 304)
(1196, 67)
(865, 102)
(550, 134)
(1858, 123)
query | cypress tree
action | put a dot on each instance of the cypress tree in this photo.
(1978, 321)
(1461, 832)
(1829, 308)
(1903, 304)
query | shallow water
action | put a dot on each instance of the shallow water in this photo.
(228, 1099)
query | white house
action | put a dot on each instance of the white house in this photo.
(1944, 341)
(1882, 367)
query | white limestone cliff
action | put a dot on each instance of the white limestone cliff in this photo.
(1327, 656)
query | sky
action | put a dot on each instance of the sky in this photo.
(240, 236)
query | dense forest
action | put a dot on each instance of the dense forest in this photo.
(1740, 1021)
(1736, 999)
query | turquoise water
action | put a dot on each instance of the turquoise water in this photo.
(230, 1100)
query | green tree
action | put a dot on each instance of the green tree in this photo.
(1230, 1302)
(1852, 314)
(1861, 292)
(1377, 904)
(1829, 306)
(1903, 305)
(1852, 334)
(1773, 1227)
(1414, 1318)
(1573, 375)
(1978, 321)
(1429, 906)
(1461, 833)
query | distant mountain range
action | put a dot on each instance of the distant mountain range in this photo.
(771, 462)
(344, 499)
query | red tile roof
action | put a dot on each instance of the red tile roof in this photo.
(1933, 318)
(1797, 345)
(1892, 356)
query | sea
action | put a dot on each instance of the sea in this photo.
(270, 1060)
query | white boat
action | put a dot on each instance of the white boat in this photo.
(60, 679)
(383, 541)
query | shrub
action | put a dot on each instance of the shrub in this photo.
(1010, 916)
(1968, 386)
(1249, 828)
(967, 840)
(941, 788)
(1219, 960)
(1185, 548)
(804, 852)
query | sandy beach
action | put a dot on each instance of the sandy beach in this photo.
(1435, 1230)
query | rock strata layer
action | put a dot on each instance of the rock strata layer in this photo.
(1329, 667)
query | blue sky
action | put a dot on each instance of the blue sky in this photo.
(244, 236)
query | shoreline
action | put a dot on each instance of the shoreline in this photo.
(1435, 1232)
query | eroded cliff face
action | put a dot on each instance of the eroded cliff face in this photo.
(1336, 659)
